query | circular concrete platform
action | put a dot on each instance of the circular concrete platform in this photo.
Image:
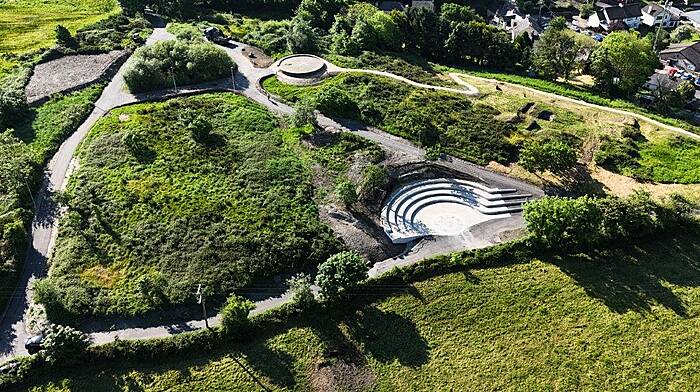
(301, 65)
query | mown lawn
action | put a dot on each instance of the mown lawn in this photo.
(626, 319)
(157, 206)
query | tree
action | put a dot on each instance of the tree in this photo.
(300, 286)
(386, 31)
(334, 101)
(452, 14)
(319, 13)
(301, 38)
(555, 53)
(234, 315)
(671, 95)
(373, 177)
(523, 45)
(346, 192)
(64, 344)
(557, 24)
(63, 37)
(340, 272)
(425, 27)
(555, 156)
(622, 63)
(586, 10)
(363, 36)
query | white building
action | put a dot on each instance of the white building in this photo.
(656, 15)
(694, 18)
(609, 18)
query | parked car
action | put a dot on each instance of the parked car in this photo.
(33, 343)
(688, 76)
(697, 83)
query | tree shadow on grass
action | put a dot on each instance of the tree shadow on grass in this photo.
(633, 277)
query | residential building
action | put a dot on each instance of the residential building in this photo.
(525, 25)
(656, 15)
(686, 56)
(388, 6)
(694, 18)
(616, 17)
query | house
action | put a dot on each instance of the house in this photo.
(525, 25)
(686, 56)
(504, 16)
(388, 6)
(654, 14)
(612, 17)
(694, 18)
(427, 4)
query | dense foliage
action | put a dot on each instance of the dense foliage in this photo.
(114, 33)
(63, 344)
(340, 272)
(559, 51)
(152, 212)
(622, 63)
(461, 127)
(553, 155)
(234, 314)
(154, 67)
(580, 223)
(23, 153)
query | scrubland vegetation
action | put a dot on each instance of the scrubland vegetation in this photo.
(169, 195)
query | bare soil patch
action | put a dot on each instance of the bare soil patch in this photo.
(257, 57)
(70, 72)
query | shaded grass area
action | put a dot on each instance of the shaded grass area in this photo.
(23, 155)
(458, 125)
(624, 318)
(193, 190)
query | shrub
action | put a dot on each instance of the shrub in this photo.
(346, 192)
(340, 272)
(561, 221)
(300, 286)
(617, 154)
(63, 37)
(13, 102)
(200, 129)
(373, 177)
(334, 101)
(154, 66)
(304, 114)
(234, 315)
(186, 32)
(555, 156)
(64, 344)
(271, 36)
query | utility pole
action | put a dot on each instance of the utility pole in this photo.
(172, 73)
(233, 77)
(201, 299)
(658, 29)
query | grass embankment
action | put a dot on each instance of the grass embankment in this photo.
(158, 205)
(572, 91)
(23, 155)
(28, 25)
(460, 126)
(621, 320)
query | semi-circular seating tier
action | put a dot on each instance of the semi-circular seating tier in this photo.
(445, 206)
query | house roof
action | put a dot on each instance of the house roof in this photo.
(623, 12)
(691, 52)
(390, 6)
(693, 16)
(652, 9)
(527, 25)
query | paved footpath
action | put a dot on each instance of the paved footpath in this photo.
(44, 227)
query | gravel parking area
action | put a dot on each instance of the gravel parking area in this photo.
(69, 72)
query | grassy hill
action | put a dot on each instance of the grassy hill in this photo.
(619, 320)
(168, 195)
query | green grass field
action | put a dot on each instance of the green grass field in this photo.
(621, 320)
(26, 25)
(671, 160)
(155, 209)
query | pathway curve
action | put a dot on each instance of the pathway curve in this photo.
(458, 78)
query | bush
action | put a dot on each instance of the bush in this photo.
(300, 286)
(334, 101)
(373, 178)
(576, 224)
(234, 315)
(340, 272)
(617, 155)
(186, 32)
(155, 66)
(271, 36)
(555, 156)
(63, 37)
(13, 102)
(304, 114)
(64, 344)
(346, 192)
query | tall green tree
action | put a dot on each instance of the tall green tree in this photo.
(340, 272)
(302, 37)
(622, 63)
(555, 53)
